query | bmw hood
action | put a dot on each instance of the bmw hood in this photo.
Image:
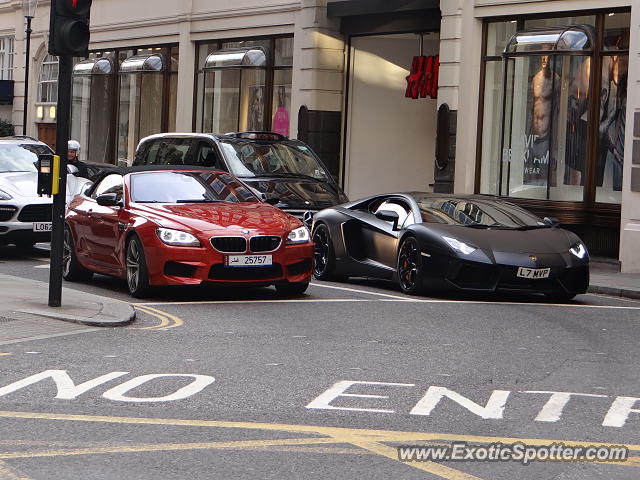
(213, 217)
(539, 240)
(297, 193)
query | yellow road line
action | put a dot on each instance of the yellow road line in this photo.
(166, 447)
(7, 473)
(166, 319)
(336, 432)
(369, 440)
(431, 467)
(5, 354)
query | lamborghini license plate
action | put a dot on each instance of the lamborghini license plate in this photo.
(248, 260)
(524, 272)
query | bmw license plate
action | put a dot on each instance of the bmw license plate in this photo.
(42, 226)
(248, 260)
(525, 272)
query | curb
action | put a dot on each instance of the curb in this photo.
(615, 291)
(118, 316)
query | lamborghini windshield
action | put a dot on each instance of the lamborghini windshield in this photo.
(476, 213)
(256, 158)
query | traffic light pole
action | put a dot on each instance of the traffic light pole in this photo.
(59, 200)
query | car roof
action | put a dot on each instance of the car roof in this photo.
(20, 140)
(214, 136)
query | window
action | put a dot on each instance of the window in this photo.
(109, 184)
(397, 206)
(6, 58)
(48, 81)
(207, 156)
(244, 85)
(549, 144)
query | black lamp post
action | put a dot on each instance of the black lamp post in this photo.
(29, 10)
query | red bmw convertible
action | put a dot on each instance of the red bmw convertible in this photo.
(171, 226)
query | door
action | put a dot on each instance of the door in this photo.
(104, 225)
(47, 134)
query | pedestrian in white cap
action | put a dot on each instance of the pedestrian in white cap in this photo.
(73, 148)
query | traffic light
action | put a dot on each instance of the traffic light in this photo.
(69, 27)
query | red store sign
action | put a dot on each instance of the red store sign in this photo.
(423, 79)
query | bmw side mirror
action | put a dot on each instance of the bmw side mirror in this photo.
(388, 216)
(109, 200)
(551, 221)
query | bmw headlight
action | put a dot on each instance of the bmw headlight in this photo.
(177, 238)
(579, 250)
(459, 246)
(299, 235)
(4, 195)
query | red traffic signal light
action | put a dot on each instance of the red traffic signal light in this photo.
(69, 27)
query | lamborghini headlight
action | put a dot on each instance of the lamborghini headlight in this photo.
(299, 235)
(459, 246)
(579, 250)
(177, 238)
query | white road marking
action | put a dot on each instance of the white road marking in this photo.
(44, 337)
(338, 390)
(47, 266)
(346, 289)
(246, 302)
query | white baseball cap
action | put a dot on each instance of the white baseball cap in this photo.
(73, 145)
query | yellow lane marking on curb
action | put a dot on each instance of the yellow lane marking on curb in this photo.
(372, 441)
(166, 319)
(2, 354)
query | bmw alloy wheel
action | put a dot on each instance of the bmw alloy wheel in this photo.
(133, 265)
(66, 253)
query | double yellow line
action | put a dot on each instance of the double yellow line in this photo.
(167, 321)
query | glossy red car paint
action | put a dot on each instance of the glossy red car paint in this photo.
(101, 233)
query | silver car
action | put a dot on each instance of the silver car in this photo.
(25, 217)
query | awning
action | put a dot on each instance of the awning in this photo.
(345, 8)
(236, 58)
(576, 38)
(153, 62)
(97, 66)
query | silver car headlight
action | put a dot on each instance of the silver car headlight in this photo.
(579, 250)
(299, 235)
(459, 246)
(4, 195)
(177, 238)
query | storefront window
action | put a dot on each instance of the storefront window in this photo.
(244, 85)
(92, 117)
(541, 97)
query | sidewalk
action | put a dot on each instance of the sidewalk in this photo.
(607, 280)
(26, 300)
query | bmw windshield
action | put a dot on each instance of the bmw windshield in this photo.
(477, 213)
(16, 158)
(252, 158)
(188, 187)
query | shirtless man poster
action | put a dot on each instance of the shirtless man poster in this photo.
(538, 157)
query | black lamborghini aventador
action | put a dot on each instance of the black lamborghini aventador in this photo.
(434, 241)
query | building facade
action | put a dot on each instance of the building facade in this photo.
(528, 100)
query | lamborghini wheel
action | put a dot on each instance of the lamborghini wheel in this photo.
(410, 267)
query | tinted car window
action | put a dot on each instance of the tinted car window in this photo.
(188, 187)
(260, 158)
(109, 184)
(207, 156)
(15, 158)
(488, 213)
(166, 151)
(397, 206)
